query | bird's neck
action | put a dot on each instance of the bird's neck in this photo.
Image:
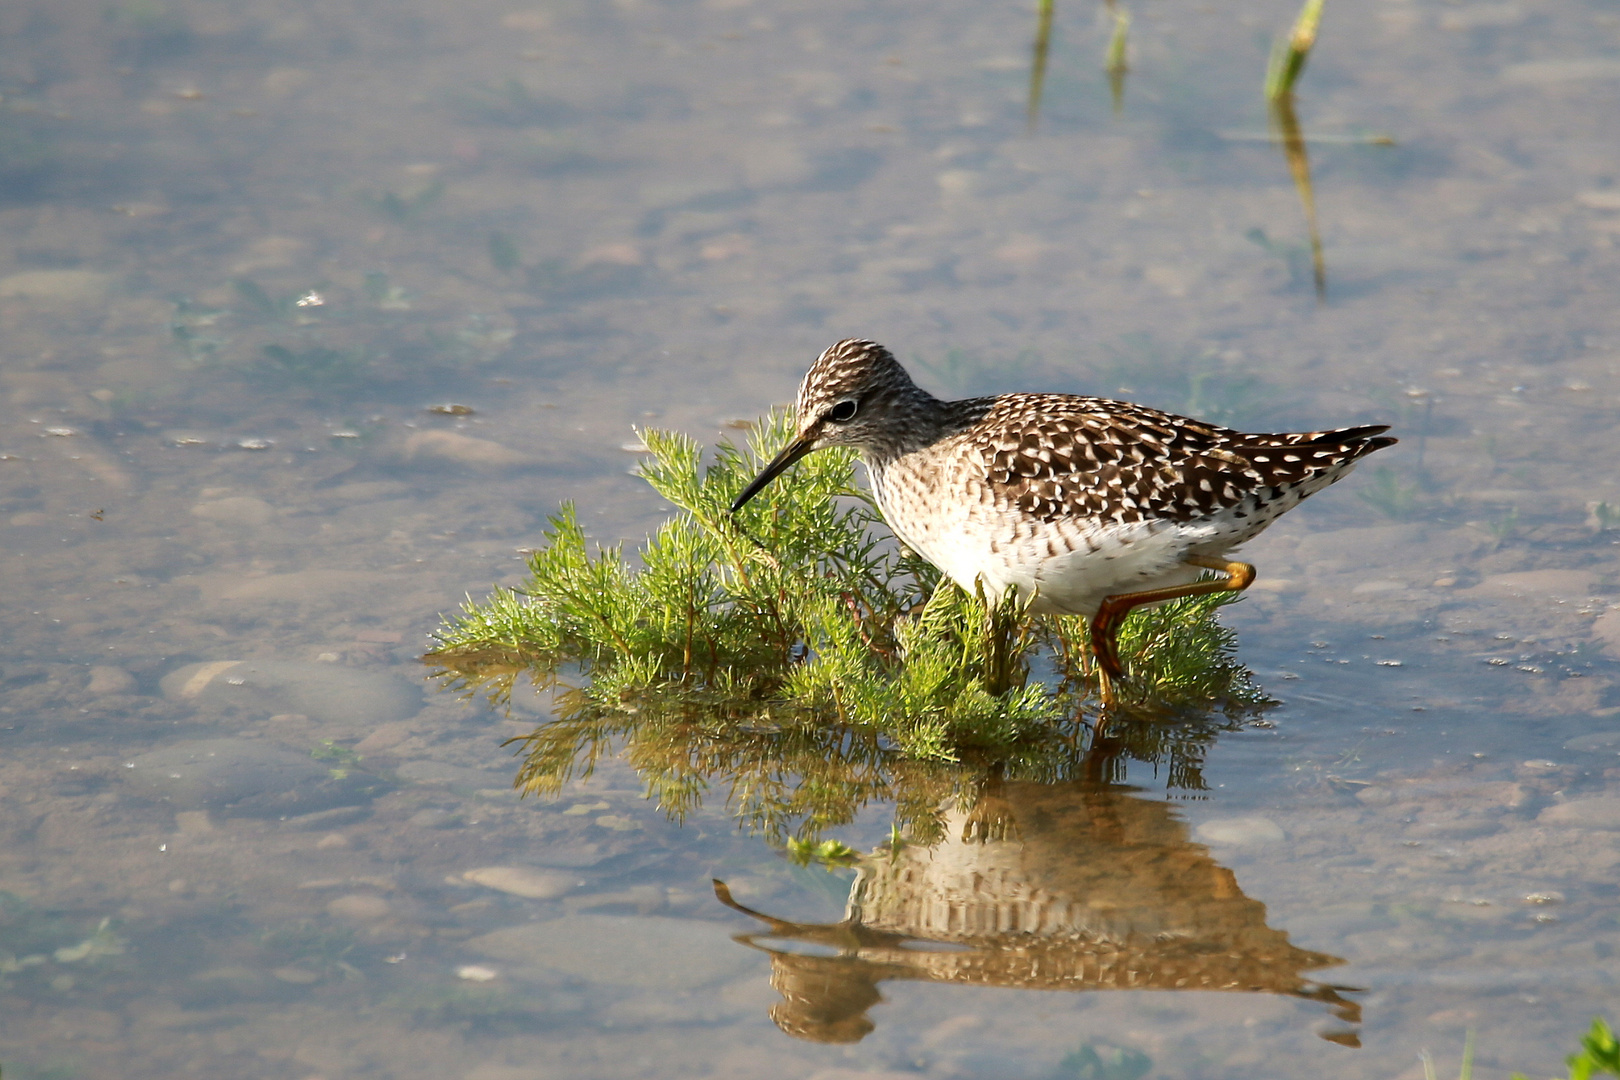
(914, 419)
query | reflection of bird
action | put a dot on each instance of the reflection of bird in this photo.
(1088, 888)
(1094, 506)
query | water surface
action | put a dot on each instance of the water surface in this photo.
(247, 248)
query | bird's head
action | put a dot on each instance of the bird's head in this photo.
(848, 398)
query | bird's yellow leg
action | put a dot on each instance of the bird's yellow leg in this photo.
(1112, 612)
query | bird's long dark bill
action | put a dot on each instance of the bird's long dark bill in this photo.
(779, 464)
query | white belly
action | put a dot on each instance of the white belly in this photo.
(1074, 581)
(1070, 566)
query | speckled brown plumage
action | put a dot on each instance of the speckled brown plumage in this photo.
(1076, 498)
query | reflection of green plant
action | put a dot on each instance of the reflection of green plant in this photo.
(1195, 383)
(556, 279)
(1506, 527)
(149, 30)
(193, 330)
(1391, 495)
(503, 253)
(830, 853)
(1296, 255)
(56, 1070)
(387, 296)
(342, 758)
(27, 153)
(783, 774)
(1115, 60)
(477, 340)
(316, 365)
(512, 104)
(322, 948)
(1103, 1061)
(487, 1010)
(403, 208)
(960, 373)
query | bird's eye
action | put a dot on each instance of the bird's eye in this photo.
(844, 410)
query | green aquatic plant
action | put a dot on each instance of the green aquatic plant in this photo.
(799, 614)
(1037, 66)
(1605, 517)
(1103, 1061)
(342, 759)
(1287, 63)
(830, 854)
(1114, 58)
(1465, 1071)
(1599, 1054)
(791, 776)
(1115, 61)
(1289, 54)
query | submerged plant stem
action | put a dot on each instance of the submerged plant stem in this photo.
(1037, 68)
(1299, 167)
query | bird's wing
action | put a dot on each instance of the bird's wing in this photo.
(1066, 457)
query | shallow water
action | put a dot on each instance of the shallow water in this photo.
(246, 249)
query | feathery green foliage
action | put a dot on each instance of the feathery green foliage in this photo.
(796, 627)
(1288, 55)
(1599, 1054)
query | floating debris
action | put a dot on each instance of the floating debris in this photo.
(450, 408)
